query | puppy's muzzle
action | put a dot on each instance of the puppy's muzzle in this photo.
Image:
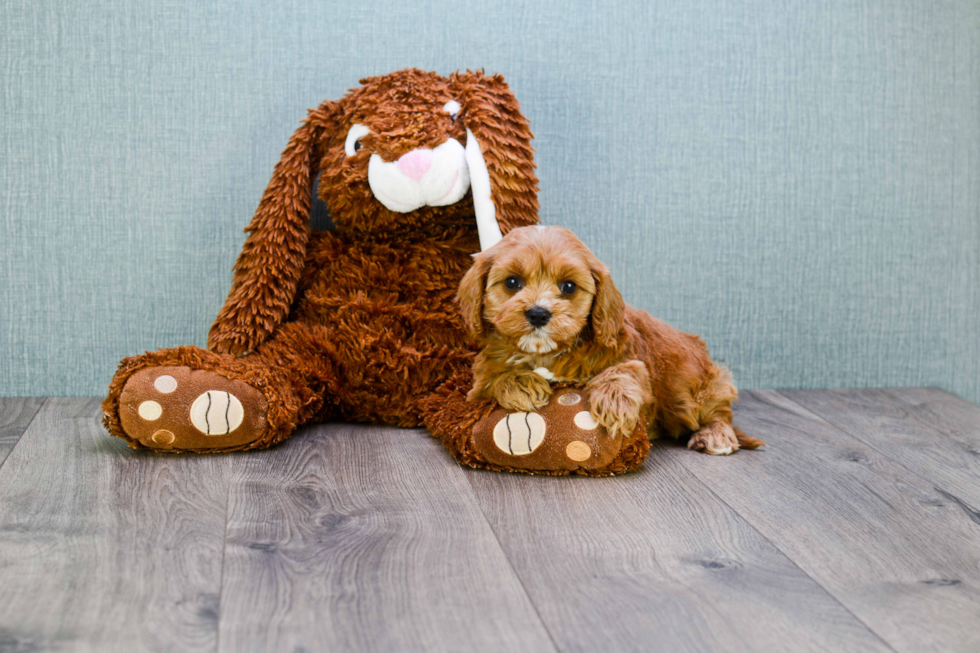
(537, 316)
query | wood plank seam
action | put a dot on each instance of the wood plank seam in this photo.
(922, 540)
(128, 540)
(26, 426)
(970, 510)
(500, 545)
(785, 554)
(606, 559)
(221, 580)
(905, 402)
(358, 537)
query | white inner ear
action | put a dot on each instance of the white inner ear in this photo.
(356, 132)
(486, 212)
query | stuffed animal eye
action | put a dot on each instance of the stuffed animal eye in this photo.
(353, 142)
(513, 283)
(567, 287)
(452, 108)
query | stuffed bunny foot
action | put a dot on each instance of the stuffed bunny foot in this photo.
(178, 408)
(561, 438)
(192, 399)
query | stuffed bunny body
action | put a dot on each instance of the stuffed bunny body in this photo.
(418, 171)
(385, 322)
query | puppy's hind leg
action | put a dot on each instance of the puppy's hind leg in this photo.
(716, 435)
(717, 439)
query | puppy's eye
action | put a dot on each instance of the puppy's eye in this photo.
(567, 287)
(513, 283)
(357, 145)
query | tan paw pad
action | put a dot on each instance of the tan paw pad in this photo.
(519, 434)
(163, 437)
(217, 412)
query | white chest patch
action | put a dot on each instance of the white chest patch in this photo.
(544, 373)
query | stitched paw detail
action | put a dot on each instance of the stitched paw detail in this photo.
(519, 434)
(217, 412)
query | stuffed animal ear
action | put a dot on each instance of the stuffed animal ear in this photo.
(498, 154)
(268, 269)
(608, 307)
(471, 293)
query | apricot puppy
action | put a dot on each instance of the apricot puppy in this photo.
(545, 310)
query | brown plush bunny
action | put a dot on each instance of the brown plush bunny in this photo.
(358, 323)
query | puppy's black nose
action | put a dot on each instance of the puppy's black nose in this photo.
(537, 316)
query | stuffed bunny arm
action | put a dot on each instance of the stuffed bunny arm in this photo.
(269, 267)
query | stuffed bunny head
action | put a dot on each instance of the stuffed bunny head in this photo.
(408, 155)
(413, 150)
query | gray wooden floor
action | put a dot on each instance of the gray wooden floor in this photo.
(858, 528)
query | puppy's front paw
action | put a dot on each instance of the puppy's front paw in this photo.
(617, 396)
(524, 392)
(717, 439)
(613, 409)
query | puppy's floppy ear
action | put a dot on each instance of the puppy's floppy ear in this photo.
(268, 269)
(608, 307)
(498, 153)
(471, 293)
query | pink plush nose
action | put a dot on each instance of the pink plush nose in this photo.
(415, 164)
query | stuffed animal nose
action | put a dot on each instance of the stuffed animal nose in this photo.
(537, 316)
(415, 164)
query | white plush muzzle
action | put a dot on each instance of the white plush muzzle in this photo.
(422, 177)
(434, 177)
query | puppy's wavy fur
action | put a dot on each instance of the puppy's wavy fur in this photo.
(633, 363)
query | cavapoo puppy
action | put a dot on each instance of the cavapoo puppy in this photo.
(545, 310)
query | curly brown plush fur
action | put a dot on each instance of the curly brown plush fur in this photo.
(357, 323)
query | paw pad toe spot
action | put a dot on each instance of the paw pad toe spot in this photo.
(163, 437)
(578, 451)
(150, 410)
(584, 421)
(165, 384)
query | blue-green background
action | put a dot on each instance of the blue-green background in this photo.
(799, 182)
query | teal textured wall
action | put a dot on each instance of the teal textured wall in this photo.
(798, 182)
